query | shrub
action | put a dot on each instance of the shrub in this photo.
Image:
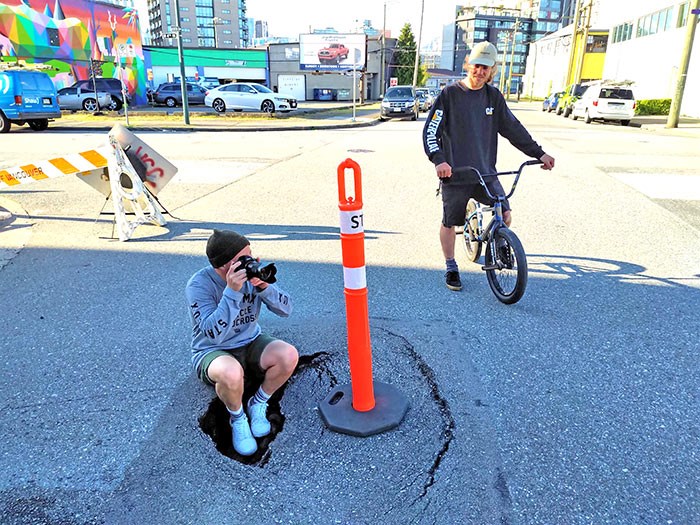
(654, 106)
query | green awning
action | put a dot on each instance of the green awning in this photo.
(244, 58)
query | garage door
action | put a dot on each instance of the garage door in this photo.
(293, 85)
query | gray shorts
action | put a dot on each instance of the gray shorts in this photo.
(456, 193)
(248, 356)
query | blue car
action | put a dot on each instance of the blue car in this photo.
(550, 103)
(27, 97)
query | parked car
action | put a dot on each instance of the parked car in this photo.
(400, 101)
(170, 94)
(606, 102)
(240, 96)
(333, 53)
(571, 94)
(27, 97)
(550, 103)
(113, 86)
(426, 98)
(74, 99)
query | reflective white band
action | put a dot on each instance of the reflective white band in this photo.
(351, 222)
(355, 278)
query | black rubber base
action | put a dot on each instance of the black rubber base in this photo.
(389, 409)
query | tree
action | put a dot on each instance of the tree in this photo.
(405, 58)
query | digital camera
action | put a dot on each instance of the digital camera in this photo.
(253, 269)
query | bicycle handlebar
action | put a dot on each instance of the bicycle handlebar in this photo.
(481, 176)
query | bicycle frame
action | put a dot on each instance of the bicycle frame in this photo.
(496, 222)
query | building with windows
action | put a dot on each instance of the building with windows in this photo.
(645, 46)
(636, 40)
(507, 29)
(543, 17)
(203, 23)
(550, 16)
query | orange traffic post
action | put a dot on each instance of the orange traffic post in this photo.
(359, 413)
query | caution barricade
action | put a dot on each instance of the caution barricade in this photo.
(127, 170)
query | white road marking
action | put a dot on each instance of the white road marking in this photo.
(213, 172)
(663, 186)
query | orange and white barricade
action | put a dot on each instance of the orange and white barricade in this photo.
(127, 169)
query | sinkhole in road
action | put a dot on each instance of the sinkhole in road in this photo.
(215, 421)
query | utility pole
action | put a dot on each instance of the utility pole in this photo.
(572, 48)
(586, 26)
(502, 78)
(420, 32)
(674, 112)
(382, 70)
(181, 59)
(512, 53)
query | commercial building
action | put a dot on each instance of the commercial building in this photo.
(214, 65)
(640, 43)
(290, 72)
(645, 47)
(507, 29)
(203, 23)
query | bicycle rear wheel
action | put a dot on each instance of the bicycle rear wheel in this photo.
(507, 268)
(471, 232)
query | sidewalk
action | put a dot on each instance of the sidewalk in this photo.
(687, 126)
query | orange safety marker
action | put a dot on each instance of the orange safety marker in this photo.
(352, 239)
(375, 407)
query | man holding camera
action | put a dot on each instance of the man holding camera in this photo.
(228, 345)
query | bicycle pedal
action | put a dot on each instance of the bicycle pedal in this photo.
(488, 267)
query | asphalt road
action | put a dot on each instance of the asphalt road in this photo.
(578, 405)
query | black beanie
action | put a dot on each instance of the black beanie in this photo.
(223, 245)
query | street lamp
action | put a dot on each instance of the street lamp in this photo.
(217, 21)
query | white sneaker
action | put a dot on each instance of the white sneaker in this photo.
(243, 441)
(259, 425)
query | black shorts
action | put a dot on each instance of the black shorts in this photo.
(248, 356)
(457, 192)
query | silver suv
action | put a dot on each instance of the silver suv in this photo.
(113, 86)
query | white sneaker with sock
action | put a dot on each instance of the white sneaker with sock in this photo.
(243, 441)
(259, 425)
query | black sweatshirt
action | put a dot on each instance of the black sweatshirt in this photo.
(463, 125)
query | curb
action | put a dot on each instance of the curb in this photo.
(181, 128)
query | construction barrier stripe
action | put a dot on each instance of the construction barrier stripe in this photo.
(34, 172)
(355, 278)
(74, 164)
(95, 158)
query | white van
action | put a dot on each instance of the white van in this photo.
(606, 102)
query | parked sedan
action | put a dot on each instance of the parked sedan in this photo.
(75, 98)
(240, 96)
(550, 103)
(170, 94)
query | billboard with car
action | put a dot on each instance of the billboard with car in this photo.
(332, 51)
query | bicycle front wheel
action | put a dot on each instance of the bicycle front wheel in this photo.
(506, 270)
(471, 232)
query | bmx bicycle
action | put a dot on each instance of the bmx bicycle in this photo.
(505, 260)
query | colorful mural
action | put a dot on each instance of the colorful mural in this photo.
(73, 36)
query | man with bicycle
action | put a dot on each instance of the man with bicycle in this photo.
(462, 129)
